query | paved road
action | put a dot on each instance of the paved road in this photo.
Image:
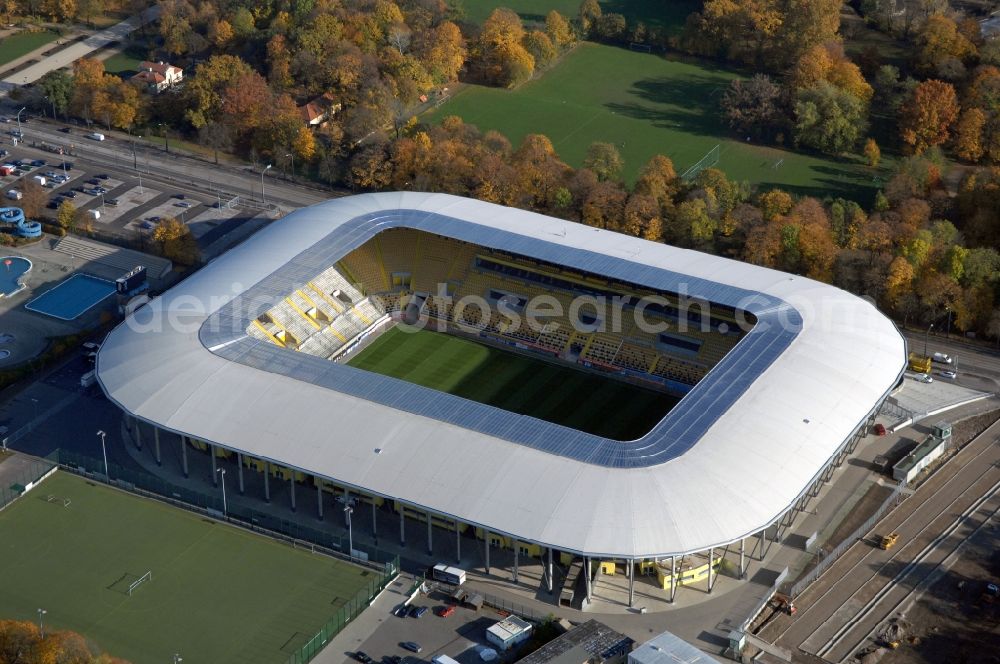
(67, 56)
(180, 170)
(839, 613)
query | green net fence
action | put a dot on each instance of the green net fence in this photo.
(19, 474)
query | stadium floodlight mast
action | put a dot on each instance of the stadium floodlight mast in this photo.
(225, 509)
(348, 510)
(41, 621)
(104, 451)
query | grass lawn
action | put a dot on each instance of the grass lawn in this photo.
(217, 594)
(23, 43)
(668, 15)
(646, 104)
(517, 383)
(122, 63)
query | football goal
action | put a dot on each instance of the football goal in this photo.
(708, 161)
(148, 576)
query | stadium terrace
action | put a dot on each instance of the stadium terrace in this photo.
(550, 388)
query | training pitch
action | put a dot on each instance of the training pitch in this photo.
(645, 105)
(667, 16)
(217, 594)
(514, 382)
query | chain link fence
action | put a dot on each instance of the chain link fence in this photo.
(519, 610)
(890, 502)
(20, 475)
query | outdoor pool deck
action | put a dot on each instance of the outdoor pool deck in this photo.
(11, 271)
(73, 297)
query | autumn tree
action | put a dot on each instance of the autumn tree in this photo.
(499, 53)
(176, 241)
(940, 39)
(32, 199)
(604, 160)
(444, 53)
(753, 106)
(927, 116)
(969, 135)
(66, 215)
(203, 94)
(829, 119)
(559, 30)
(873, 155)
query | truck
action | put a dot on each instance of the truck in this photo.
(88, 379)
(96, 136)
(40, 179)
(919, 363)
(886, 542)
(14, 195)
(7, 169)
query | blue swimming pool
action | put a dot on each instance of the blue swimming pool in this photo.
(12, 268)
(73, 297)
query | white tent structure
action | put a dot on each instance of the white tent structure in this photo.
(740, 451)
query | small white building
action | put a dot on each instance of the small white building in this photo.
(668, 649)
(508, 632)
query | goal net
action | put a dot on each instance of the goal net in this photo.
(708, 161)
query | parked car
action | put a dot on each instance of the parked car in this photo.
(419, 611)
(69, 194)
(923, 378)
(180, 196)
(362, 657)
(4, 153)
(112, 201)
(412, 646)
(392, 659)
(66, 165)
(94, 181)
(147, 225)
(949, 374)
(51, 174)
(103, 176)
(401, 611)
(446, 611)
(100, 190)
(38, 163)
(64, 130)
(182, 204)
(53, 205)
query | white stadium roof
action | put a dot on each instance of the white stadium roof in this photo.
(731, 458)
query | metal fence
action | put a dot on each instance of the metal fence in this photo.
(514, 608)
(890, 502)
(345, 614)
(16, 482)
(764, 600)
(143, 483)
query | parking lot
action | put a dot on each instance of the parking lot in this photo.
(116, 198)
(460, 635)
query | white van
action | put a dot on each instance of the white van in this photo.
(96, 214)
(14, 195)
(96, 136)
(942, 358)
(40, 179)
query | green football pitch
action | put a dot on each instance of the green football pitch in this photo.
(515, 382)
(217, 593)
(668, 16)
(646, 105)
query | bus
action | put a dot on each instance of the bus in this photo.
(452, 575)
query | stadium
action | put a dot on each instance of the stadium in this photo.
(544, 387)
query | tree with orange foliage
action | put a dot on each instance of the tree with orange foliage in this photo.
(928, 114)
(940, 38)
(499, 53)
(872, 153)
(969, 134)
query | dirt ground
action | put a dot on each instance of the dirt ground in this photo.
(952, 623)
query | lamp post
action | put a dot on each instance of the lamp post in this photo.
(927, 334)
(19, 121)
(262, 197)
(41, 621)
(292, 157)
(348, 510)
(225, 508)
(104, 452)
(166, 146)
(947, 329)
(135, 160)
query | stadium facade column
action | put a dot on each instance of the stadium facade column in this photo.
(239, 469)
(458, 542)
(267, 481)
(673, 578)
(711, 566)
(319, 501)
(548, 574)
(291, 488)
(156, 444)
(215, 472)
(743, 564)
(631, 580)
(486, 537)
(586, 575)
(374, 524)
(184, 455)
(430, 534)
(517, 550)
(138, 434)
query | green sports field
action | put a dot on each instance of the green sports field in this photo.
(669, 16)
(22, 43)
(217, 594)
(517, 383)
(646, 104)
